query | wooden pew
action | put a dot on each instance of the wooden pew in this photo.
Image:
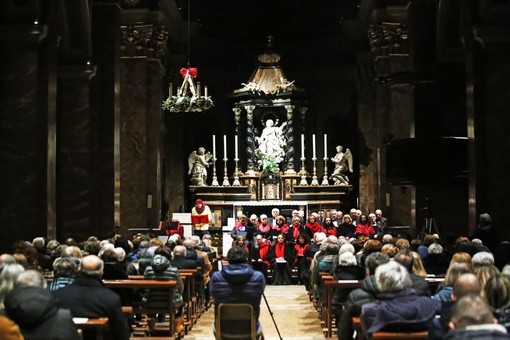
(329, 287)
(191, 311)
(143, 284)
(98, 325)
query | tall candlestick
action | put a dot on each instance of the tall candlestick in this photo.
(235, 146)
(302, 146)
(170, 89)
(214, 146)
(313, 147)
(325, 146)
(224, 146)
(198, 89)
(205, 91)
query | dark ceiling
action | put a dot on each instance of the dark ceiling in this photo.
(308, 34)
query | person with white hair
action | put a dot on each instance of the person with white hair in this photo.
(43, 257)
(380, 221)
(437, 261)
(275, 212)
(482, 258)
(264, 228)
(346, 269)
(398, 307)
(346, 248)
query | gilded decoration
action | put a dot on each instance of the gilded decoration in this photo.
(388, 38)
(143, 41)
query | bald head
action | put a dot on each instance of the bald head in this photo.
(92, 265)
(466, 284)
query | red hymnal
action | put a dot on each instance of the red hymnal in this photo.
(197, 219)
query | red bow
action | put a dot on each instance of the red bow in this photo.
(193, 71)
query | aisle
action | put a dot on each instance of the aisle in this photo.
(293, 312)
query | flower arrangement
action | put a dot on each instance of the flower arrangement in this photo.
(269, 164)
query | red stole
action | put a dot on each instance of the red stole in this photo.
(279, 249)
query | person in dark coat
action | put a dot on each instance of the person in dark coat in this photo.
(466, 284)
(486, 232)
(397, 306)
(35, 311)
(237, 282)
(87, 297)
(406, 259)
(358, 297)
(346, 269)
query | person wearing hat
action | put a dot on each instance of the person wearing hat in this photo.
(201, 217)
(162, 269)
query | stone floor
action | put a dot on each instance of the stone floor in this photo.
(294, 314)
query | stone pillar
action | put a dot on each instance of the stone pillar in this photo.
(140, 124)
(289, 135)
(250, 140)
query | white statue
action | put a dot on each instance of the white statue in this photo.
(271, 142)
(343, 163)
(198, 163)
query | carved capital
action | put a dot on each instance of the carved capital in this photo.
(388, 38)
(143, 40)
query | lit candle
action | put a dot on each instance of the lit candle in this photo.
(302, 146)
(313, 147)
(214, 146)
(206, 93)
(170, 89)
(224, 146)
(325, 146)
(235, 150)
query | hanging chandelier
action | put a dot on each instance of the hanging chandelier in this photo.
(188, 97)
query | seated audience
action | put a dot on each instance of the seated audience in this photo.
(419, 284)
(437, 261)
(237, 282)
(8, 277)
(497, 291)
(472, 319)
(418, 268)
(161, 269)
(464, 285)
(444, 291)
(358, 297)
(35, 311)
(397, 307)
(100, 301)
(9, 330)
(64, 271)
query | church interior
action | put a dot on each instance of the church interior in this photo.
(90, 140)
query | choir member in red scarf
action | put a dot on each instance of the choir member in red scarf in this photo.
(202, 215)
(258, 253)
(313, 226)
(364, 227)
(279, 228)
(264, 227)
(329, 227)
(300, 259)
(281, 257)
(295, 230)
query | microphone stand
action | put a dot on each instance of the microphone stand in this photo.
(272, 317)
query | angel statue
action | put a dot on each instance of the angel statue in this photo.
(343, 163)
(198, 163)
(271, 143)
